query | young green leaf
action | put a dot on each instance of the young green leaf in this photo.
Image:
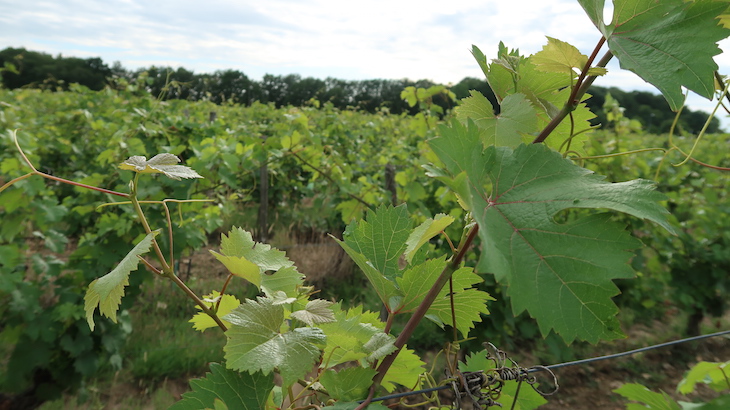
(287, 280)
(417, 281)
(241, 267)
(560, 57)
(202, 321)
(348, 335)
(348, 384)
(381, 238)
(237, 390)
(567, 267)
(317, 311)
(647, 398)
(257, 343)
(106, 292)
(469, 303)
(384, 287)
(240, 243)
(713, 374)
(668, 43)
(159, 164)
(515, 123)
(424, 232)
(404, 371)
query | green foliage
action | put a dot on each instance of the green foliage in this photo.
(226, 385)
(679, 36)
(515, 196)
(106, 292)
(256, 343)
(533, 213)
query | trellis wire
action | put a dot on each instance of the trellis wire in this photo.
(566, 364)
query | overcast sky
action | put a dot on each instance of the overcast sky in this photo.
(416, 39)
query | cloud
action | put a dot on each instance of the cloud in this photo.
(416, 39)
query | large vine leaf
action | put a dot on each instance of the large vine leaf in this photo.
(236, 390)
(256, 342)
(668, 43)
(560, 273)
(106, 292)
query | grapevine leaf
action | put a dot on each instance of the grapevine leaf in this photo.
(424, 232)
(256, 342)
(202, 321)
(286, 280)
(515, 123)
(712, 374)
(239, 266)
(234, 389)
(250, 260)
(527, 399)
(404, 371)
(159, 164)
(381, 237)
(379, 346)
(648, 398)
(348, 384)
(239, 243)
(348, 335)
(316, 311)
(106, 292)
(417, 281)
(559, 57)
(569, 267)
(384, 287)
(678, 36)
(469, 303)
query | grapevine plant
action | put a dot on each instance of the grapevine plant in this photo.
(513, 173)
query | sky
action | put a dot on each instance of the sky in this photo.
(415, 39)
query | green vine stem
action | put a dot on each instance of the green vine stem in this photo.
(167, 269)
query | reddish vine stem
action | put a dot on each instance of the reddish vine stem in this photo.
(580, 88)
(420, 312)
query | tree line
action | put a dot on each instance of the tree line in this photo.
(25, 68)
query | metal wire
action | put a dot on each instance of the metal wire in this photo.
(630, 352)
(566, 364)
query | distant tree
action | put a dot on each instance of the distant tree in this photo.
(650, 109)
(36, 69)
